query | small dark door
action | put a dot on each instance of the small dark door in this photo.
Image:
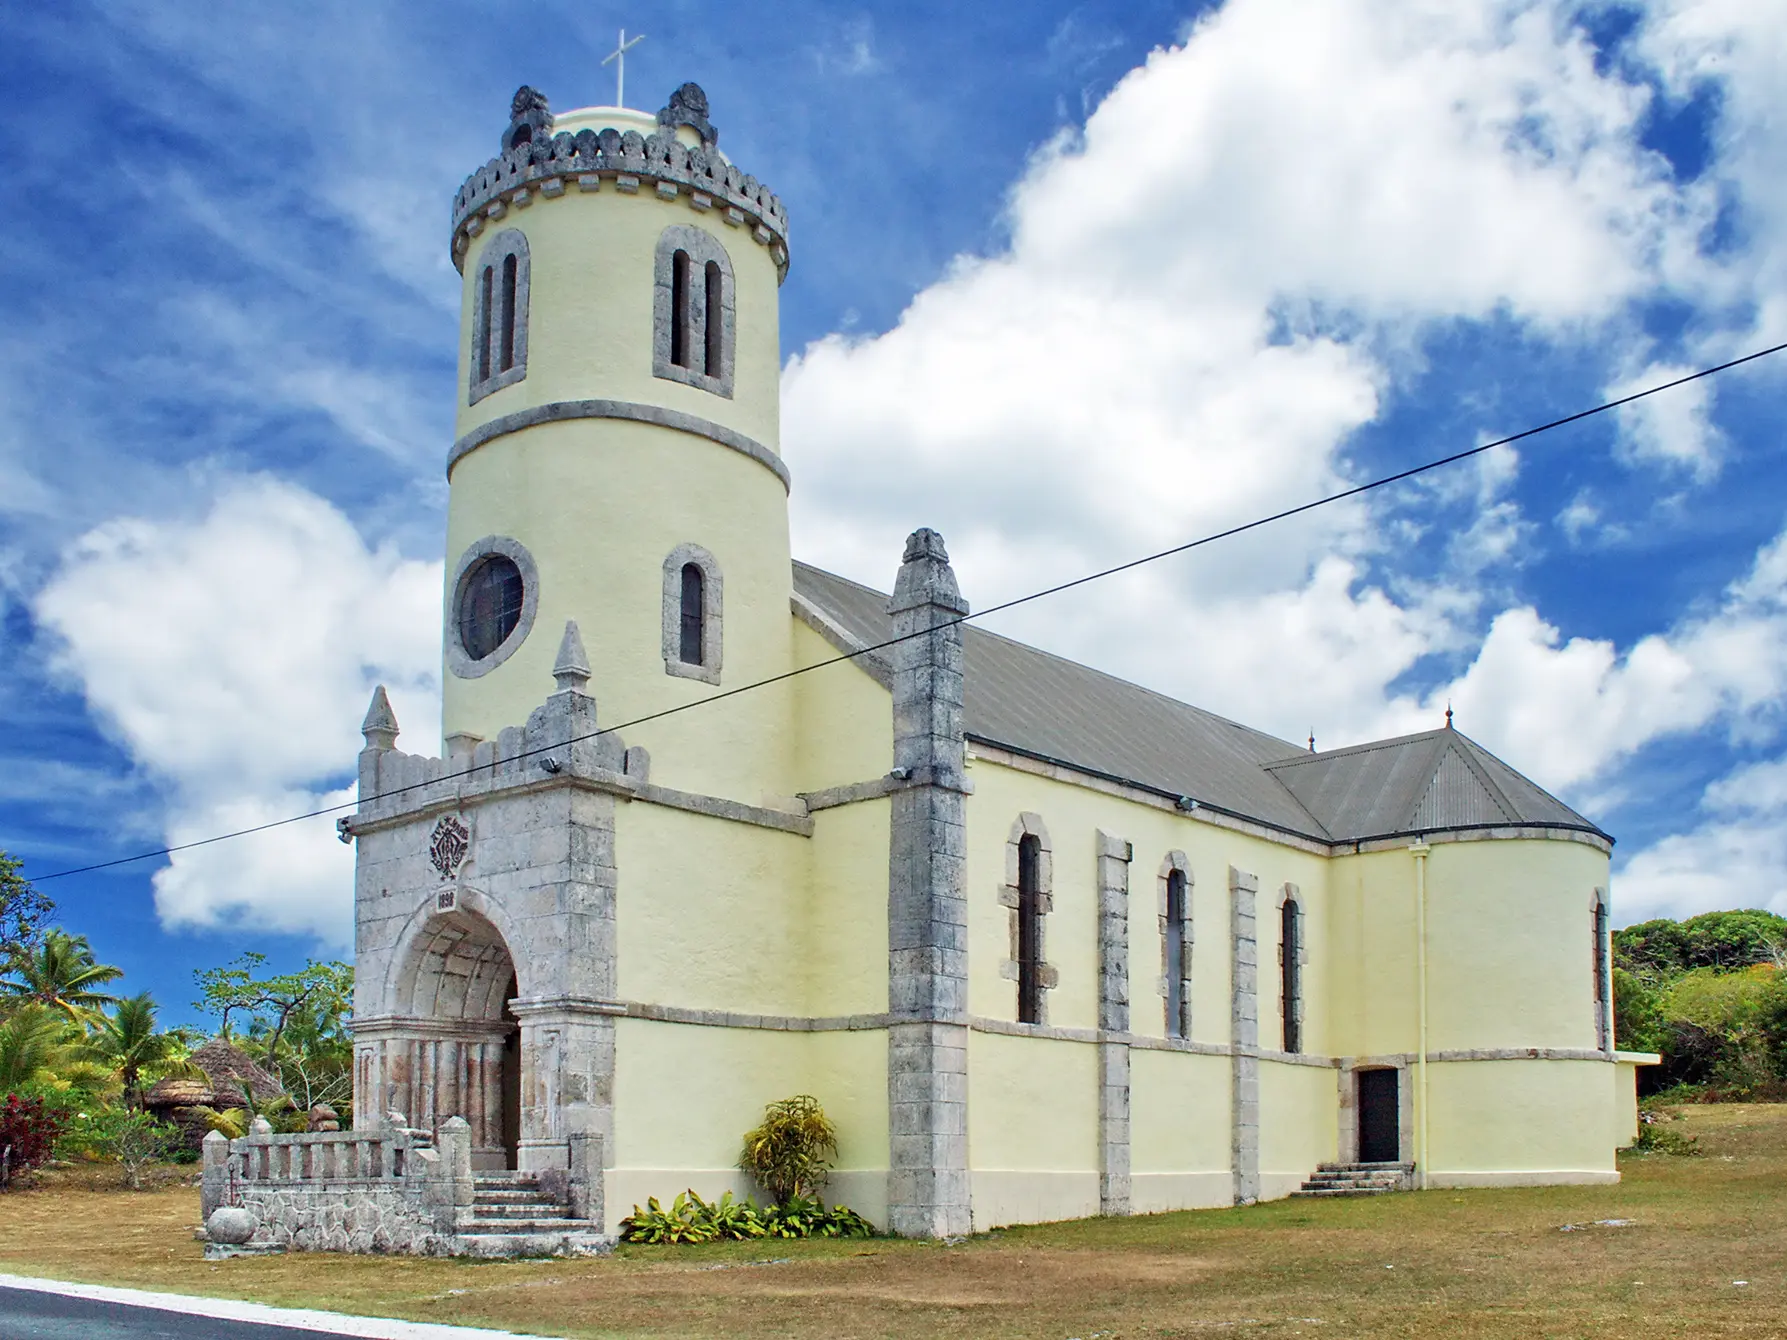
(1378, 1135)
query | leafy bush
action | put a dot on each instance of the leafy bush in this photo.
(790, 1152)
(28, 1130)
(132, 1139)
(807, 1217)
(690, 1219)
(1656, 1136)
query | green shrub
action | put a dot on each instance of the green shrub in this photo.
(1657, 1137)
(690, 1219)
(131, 1139)
(790, 1152)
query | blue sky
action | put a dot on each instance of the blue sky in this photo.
(1069, 282)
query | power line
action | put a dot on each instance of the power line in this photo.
(1212, 538)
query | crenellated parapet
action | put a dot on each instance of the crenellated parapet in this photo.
(539, 166)
(558, 746)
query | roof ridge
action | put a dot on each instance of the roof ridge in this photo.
(1364, 746)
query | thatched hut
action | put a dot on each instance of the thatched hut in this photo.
(230, 1078)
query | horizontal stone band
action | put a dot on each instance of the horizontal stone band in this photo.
(562, 411)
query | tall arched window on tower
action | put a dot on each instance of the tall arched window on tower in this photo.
(1291, 957)
(1602, 978)
(692, 592)
(693, 310)
(692, 613)
(499, 316)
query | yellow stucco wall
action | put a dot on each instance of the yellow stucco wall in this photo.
(685, 1095)
(1494, 1122)
(1299, 1116)
(1179, 1130)
(1032, 1129)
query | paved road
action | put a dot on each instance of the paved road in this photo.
(28, 1315)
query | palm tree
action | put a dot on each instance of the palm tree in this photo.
(126, 1041)
(61, 974)
(33, 1047)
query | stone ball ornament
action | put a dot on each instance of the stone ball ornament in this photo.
(231, 1225)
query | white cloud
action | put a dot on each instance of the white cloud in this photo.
(1736, 858)
(1673, 427)
(232, 656)
(1206, 293)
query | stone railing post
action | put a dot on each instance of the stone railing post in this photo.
(587, 1193)
(214, 1181)
(455, 1148)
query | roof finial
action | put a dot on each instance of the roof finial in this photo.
(571, 669)
(380, 725)
(1448, 715)
(1312, 741)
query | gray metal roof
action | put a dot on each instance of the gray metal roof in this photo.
(1047, 706)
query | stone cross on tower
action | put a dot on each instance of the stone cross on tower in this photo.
(619, 57)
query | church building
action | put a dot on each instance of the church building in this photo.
(1042, 942)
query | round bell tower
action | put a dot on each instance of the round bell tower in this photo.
(615, 460)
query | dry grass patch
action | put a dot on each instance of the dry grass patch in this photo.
(1451, 1263)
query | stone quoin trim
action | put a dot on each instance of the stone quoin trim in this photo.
(1114, 1180)
(459, 661)
(499, 316)
(707, 669)
(1244, 1019)
(1048, 977)
(561, 411)
(687, 309)
(1290, 971)
(1599, 915)
(1175, 996)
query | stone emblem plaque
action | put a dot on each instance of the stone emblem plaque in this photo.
(448, 847)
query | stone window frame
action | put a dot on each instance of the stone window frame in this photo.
(461, 662)
(1601, 923)
(509, 242)
(1294, 981)
(1048, 976)
(712, 611)
(1175, 861)
(702, 248)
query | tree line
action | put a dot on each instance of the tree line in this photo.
(1710, 995)
(80, 1060)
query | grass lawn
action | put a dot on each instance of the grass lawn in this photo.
(1452, 1263)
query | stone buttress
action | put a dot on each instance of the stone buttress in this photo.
(927, 922)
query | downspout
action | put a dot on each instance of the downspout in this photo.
(1419, 850)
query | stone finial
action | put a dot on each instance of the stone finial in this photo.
(926, 577)
(380, 726)
(530, 118)
(260, 1126)
(571, 669)
(688, 107)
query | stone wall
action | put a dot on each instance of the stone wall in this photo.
(358, 1216)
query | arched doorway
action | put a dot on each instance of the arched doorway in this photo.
(464, 1056)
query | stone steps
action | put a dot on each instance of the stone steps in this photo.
(511, 1216)
(1356, 1179)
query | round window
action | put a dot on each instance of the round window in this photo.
(490, 599)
